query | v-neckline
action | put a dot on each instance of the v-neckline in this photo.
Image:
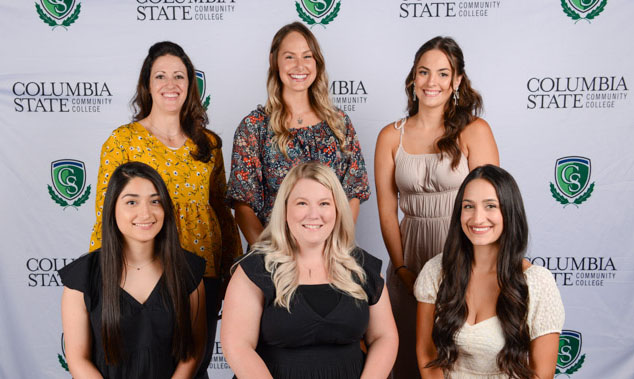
(480, 322)
(136, 301)
(314, 312)
(158, 141)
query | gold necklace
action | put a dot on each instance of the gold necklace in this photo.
(140, 267)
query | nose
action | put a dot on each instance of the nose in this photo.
(144, 209)
(313, 211)
(479, 214)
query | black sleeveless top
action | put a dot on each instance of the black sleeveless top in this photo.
(146, 329)
(305, 343)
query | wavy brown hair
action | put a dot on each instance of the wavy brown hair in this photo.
(193, 117)
(167, 250)
(456, 116)
(457, 261)
(318, 95)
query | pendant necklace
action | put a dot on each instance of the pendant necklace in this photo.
(138, 268)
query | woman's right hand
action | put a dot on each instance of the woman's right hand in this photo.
(408, 278)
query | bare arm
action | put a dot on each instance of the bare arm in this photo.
(240, 327)
(77, 336)
(480, 144)
(387, 199)
(381, 339)
(354, 207)
(248, 222)
(187, 369)
(425, 348)
(543, 355)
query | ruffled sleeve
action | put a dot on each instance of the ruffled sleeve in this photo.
(355, 179)
(113, 154)
(545, 309)
(83, 274)
(253, 266)
(196, 268)
(428, 281)
(374, 282)
(245, 180)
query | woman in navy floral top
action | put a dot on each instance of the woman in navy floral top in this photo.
(298, 124)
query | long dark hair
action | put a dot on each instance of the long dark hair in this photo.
(456, 116)
(512, 304)
(193, 118)
(166, 248)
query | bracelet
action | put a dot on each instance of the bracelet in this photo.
(399, 267)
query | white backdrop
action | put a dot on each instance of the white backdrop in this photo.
(555, 77)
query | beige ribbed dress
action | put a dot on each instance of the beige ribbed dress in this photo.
(427, 189)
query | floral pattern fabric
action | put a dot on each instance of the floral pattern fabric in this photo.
(198, 189)
(258, 166)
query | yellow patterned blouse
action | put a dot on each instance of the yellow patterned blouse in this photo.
(205, 224)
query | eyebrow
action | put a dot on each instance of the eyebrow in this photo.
(136, 195)
(485, 200)
(426, 68)
(303, 52)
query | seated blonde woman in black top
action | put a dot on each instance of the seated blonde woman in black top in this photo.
(300, 303)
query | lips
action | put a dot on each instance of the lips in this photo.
(144, 226)
(312, 226)
(431, 93)
(299, 76)
(479, 229)
(170, 95)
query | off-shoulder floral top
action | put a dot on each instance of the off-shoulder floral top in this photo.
(258, 166)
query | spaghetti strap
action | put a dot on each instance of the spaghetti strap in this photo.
(400, 125)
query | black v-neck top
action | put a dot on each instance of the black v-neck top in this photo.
(311, 341)
(146, 329)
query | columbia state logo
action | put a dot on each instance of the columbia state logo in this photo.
(569, 357)
(583, 9)
(572, 176)
(61, 358)
(69, 179)
(318, 12)
(65, 12)
(202, 87)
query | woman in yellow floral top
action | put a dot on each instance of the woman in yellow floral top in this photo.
(169, 133)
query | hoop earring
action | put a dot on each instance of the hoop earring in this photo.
(456, 96)
(414, 91)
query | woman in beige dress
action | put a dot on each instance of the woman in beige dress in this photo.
(420, 162)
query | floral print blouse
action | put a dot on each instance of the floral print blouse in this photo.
(258, 166)
(198, 190)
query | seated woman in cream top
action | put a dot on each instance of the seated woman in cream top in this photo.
(484, 311)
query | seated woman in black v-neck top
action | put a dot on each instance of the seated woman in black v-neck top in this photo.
(136, 307)
(301, 302)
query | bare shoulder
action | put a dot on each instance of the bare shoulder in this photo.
(478, 128)
(389, 135)
(526, 264)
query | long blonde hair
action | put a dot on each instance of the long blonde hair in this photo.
(279, 246)
(318, 95)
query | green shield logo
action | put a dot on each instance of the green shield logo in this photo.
(58, 9)
(200, 82)
(572, 175)
(569, 348)
(69, 177)
(317, 7)
(583, 5)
